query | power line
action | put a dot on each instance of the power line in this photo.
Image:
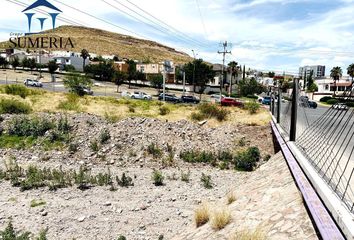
(134, 17)
(159, 25)
(101, 19)
(201, 18)
(164, 23)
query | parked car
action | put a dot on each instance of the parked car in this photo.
(170, 98)
(267, 100)
(190, 99)
(87, 91)
(216, 98)
(141, 96)
(312, 104)
(126, 94)
(33, 83)
(340, 106)
(231, 102)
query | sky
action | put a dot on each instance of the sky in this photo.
(269, 35)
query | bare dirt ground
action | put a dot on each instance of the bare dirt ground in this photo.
(145, 211)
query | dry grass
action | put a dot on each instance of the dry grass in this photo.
(231, 197)
(220, 218)
(257, 234)
(201, 214)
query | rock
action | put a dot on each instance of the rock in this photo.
(44, 213)
(81, 219)
(107, 204)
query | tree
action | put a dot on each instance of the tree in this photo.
(52, 67)
(336, 74)
(104, 71)
(309, 80)
(15, 62)
(32, 64)
(24, 63)
(251, 87)
(202, 75)
(233, 71)
(84, 54)
(119, 78)
(157, 81)
(131, 70)
(350, 71)
(76, 83)
(271, 74)
(3, 62)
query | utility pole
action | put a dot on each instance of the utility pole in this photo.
(224, 52)
(184, 83)
(193, 72)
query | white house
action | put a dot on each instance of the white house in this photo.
(326, 87)
(73, 59)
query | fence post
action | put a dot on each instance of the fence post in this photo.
(294, 111)
(279, 103)
(272, 102)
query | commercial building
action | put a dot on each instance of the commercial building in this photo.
(318, 71)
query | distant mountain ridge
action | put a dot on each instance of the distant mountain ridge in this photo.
(103, 42)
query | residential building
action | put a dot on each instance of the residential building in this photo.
(318, 71)
(73, 59)
(121, 66)
(158, 68)
(326, 87)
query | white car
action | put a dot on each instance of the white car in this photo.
(340, 106)
(141, 96)
(126, 94)
(33, 83)
(216, 98)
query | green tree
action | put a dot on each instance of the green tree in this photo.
(84, 54)
(119, 78)
(15, 62)
(350, 71)
(202, 74)
(271, 74)
(32, 64)
(131, 70)
(24, 63)
(336, 74)
(233, 69)
(76, 83)
(157, 81)
(104, 71)
(251, 87)
(3, 62)
(52, 67)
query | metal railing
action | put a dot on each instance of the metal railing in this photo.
(325, 135)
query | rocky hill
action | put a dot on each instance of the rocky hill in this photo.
(108, 43)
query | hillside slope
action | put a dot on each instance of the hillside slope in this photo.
(108, 43)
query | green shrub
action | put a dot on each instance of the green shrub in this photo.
(73, 147)
(154, 150)
(247, 160)
(350, 104)
(206, 181)
(252, 97)
(17, 90)
(163, 110)
(63, 125)
(94, 146)
(332, 101)
(122, 238)
(213, 111)
(72, 103)
(185, 177)
(8, 106)
(157, 178)
(10, 234)
(197, 116)
(105, 136)
(37, 203)
(252, 107)
(25, 126)
(325, 99)
(125, 181)
(193, 156)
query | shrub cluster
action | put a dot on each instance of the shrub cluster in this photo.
(8, 106)
(154, 150)
(246, 160)
(17, 90)
(72, 103)
(164, 110)
(10, 234)
(207, 110)
(35, 178)
(252, 107)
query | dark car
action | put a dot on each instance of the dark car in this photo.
(312, 104)
(266, 100)
(229, 102)
(190, 99)
(170, 98)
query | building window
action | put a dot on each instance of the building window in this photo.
(327, 87)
